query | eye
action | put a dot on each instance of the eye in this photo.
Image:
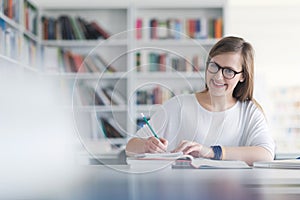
(228, 71)
(213, 67)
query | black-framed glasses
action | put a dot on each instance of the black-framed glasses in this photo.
(228, 73)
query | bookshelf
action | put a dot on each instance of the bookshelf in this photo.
(171, 44)
(18, 33)
(79, 62)
(90, 66)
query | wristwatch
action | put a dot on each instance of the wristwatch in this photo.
(217, 152)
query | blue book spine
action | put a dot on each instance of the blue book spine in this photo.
(178, 30)
(198, 29)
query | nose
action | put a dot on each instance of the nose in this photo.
(219, 75)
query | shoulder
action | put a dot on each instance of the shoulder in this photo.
(251, 108)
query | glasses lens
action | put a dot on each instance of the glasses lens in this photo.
(228, 73)
(212, 67)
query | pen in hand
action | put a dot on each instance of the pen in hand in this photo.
(146, 121)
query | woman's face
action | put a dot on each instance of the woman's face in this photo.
(218, 85)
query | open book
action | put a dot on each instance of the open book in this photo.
(179, 160)
(162, 156)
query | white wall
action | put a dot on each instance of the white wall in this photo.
(273, 29)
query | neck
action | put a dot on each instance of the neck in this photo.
(219, 104)
(216, 103)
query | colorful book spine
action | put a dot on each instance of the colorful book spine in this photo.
(139, 30)
(172, 28)
(69, 28)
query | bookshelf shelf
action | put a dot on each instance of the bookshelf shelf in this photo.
(31, 36)
(90, 76)
(84, 43)
(11, 22)
(15, 63)
(147, 108)
(170, 75)
(177, 43)
(110, 108)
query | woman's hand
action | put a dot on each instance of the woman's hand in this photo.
(195, 149)
(154, 145)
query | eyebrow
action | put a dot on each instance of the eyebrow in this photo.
(223, 66)
(229, 67)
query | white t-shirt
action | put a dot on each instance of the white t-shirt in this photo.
(183, 118)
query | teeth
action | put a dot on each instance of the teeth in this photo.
(219, 84)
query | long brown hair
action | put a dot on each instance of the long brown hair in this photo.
(243, 90)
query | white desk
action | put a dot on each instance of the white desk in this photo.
(121, 182)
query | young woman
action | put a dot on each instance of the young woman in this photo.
(221, 122)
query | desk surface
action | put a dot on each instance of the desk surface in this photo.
(123, 182)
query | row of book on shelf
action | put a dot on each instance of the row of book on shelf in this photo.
(29, 53)
(67, 27)
(173, 28)
(156, 95)
(153, 95)
(57, 59)
(88, 95)
(10, 41)
(30, 17)
(109, 128)
(11, 9)
(154, 61)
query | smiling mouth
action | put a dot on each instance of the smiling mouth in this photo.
(217, 84)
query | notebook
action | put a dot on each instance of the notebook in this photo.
(279, 164)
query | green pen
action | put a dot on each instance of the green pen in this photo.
(146, 121)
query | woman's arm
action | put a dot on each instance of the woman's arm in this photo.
(249, 154)
(149, 145)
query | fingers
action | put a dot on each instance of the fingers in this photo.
(183, 145)
(164, 141)
(192, 148)
(153, 145)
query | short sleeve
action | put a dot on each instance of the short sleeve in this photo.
(258, 133)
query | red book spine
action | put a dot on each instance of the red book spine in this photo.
(139, 24)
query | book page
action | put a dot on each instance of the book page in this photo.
(162, 156)
(207, 163)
